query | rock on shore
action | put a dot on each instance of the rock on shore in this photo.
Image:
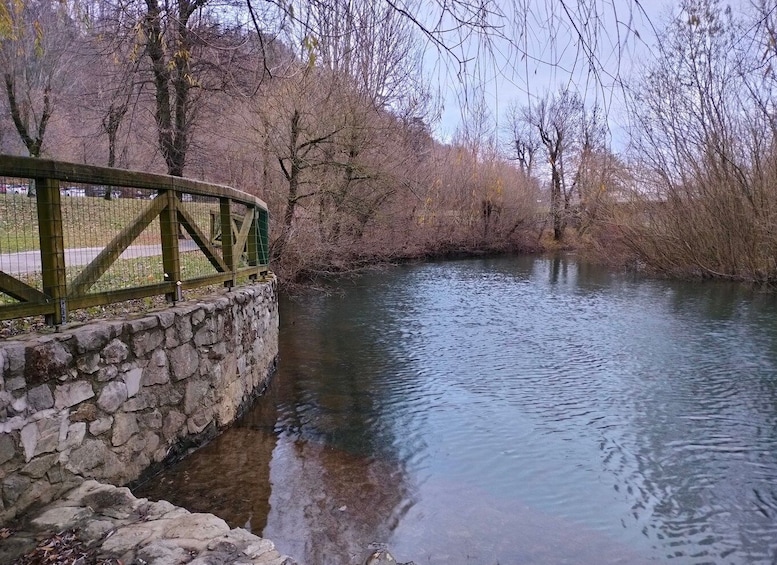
(134, 530)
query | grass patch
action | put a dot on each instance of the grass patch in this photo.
(86, 221)
(127, 273)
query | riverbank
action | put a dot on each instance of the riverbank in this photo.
(101, 523)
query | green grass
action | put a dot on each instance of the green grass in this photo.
(127, 273)
(86, 221)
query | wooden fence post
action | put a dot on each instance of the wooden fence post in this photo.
(227, 239)
(52, 248)
(171, 260)
(264, 238)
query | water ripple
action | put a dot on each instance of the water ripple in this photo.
(635, 419)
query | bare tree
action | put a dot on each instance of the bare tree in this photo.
(704, 134)
(188, 47)
(34, 47)
(556, 119)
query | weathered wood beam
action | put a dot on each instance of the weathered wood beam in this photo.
(28, 167)
(19, 290)
(94, 270)
(242, 236)
(202, 241)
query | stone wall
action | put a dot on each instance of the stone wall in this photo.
(110, 399)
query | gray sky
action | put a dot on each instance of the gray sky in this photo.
(502, 76)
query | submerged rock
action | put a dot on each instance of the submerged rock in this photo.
(381, 556)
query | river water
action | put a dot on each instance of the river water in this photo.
(509, 410)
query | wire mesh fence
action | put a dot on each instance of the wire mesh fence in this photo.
(72, 236)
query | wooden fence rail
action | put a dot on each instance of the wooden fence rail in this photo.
(237, 245)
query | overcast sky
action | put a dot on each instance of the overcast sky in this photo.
(504, 76)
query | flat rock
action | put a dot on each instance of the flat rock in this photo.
(137, 531)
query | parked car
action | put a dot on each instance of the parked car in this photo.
(74, 191)
(17, 189)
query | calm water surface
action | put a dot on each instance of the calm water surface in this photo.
(513, 411)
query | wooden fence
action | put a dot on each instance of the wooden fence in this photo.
(232, 241)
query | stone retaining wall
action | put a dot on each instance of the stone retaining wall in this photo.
(110, 399)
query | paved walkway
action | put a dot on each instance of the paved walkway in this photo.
(29, 261)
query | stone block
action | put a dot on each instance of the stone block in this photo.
(112, 396)
(74, 437)
(88, 363)
(115, 470)
(169, 396)
(199, 421)
(198, 316)
(86, 412)
(41, 436)
(39, 466)
(183, 326)
(98, 529)
(152, 442)
(100, 426)
(132, 379)
(127, 538)
(85, 458)
(70, 394)
(146, 398)
(147, 341)
(124, 427)
(184, 361)
(7, 448)
(19, 405)
(218, 351)
(12, 424)
(163, 552)
(6, 399)
(206, 334)
(13, 487)
(151, 420)
(45, 361)
(115, 352)
(197, 526)
(40, 398)
(55, 475)
(173, 424)
(107, 373)
(171, 338)
(62, 517)
(195, 392)
(15, 383)
(166, 318)
(159, 455)
(15, 357)
(241, 365)
(226, 411)
(157, 371)
(142, 324)
(93, 337)
(40, 492)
